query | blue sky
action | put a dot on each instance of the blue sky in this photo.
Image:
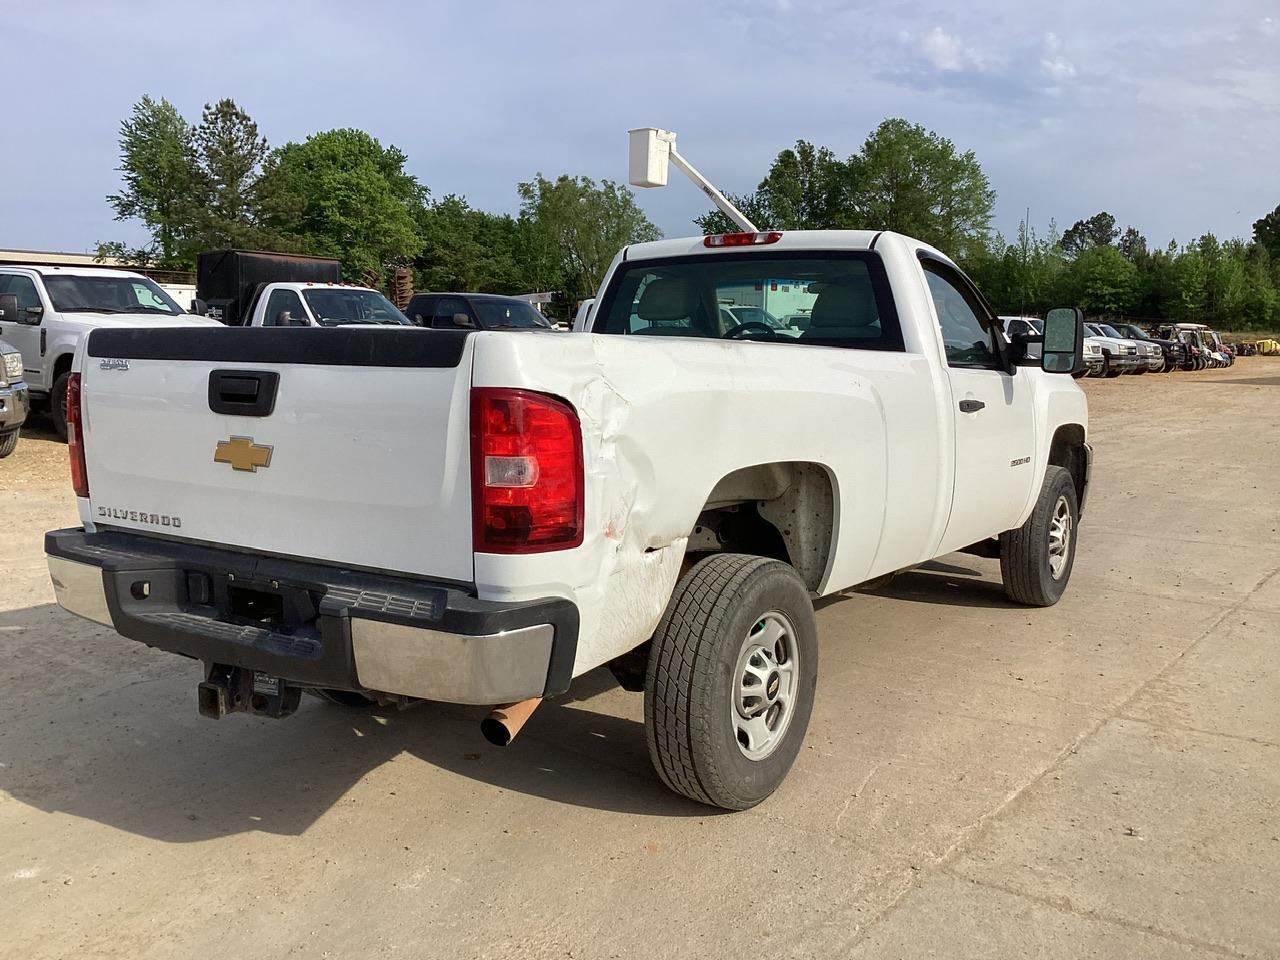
(1165, 113)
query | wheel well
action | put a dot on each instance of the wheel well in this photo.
(785, 511)
(62, 365)
(1067, 450)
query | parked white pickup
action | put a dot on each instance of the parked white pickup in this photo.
(321, 305)
(479, 517)
(46, 311)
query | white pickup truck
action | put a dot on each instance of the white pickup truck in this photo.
(480, 517)
(46, 311)
(322, 305)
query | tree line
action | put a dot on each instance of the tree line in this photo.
(341, 193)
(912, 180)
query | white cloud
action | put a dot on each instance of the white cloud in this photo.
(1054, 64)
(948, 52)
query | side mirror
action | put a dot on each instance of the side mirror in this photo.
(9, 307)
(1063, 340)
(199, 308)
(31, 316)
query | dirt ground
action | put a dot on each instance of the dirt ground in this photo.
(979, 780)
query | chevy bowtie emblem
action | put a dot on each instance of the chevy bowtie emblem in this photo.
(243, 454)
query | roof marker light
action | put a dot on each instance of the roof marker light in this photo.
(742, 239)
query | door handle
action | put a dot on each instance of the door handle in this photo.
(971, 406)
(243, 393)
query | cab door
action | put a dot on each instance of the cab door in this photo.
(992, 412)
(25, 336)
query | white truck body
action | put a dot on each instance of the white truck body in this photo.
(864, 461)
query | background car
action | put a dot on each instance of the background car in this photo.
(1118, 355)
(474, 311)
(14, 402)
(1174, 351)
(1034, 327)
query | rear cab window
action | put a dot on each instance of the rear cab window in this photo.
(839, 299)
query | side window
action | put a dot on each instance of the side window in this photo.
(280, 303)
(23, 288)
(446, 314)
(966, 337)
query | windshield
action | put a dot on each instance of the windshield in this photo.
(499, 314)
(1093, 329)
(335, 306)
(1111, 332)
(1135, 333)
(72, 294)
(829, 299)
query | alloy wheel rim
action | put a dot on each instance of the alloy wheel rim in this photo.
(1059, 538)
(765, 686)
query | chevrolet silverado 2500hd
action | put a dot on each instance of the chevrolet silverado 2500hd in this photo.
(483, 516)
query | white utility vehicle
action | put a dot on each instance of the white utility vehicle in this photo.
(479, 517)
(322, 305)
(46, 311)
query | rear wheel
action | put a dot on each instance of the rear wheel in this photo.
(1109, 371)
(8, 443)
(1036, 559)
(730, 681)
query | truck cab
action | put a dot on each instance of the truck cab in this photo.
(322, 305)
(253, 288)
(45, 312)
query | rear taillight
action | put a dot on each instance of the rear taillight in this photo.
(526, 472)
(742, 239)
(75, 437)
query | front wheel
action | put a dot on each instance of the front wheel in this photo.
(730, 681)
(1036, 559)
(8, 443)
(58, 405)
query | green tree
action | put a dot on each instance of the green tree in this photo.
(914, 181)
(342, 194)
(572, 228)
(1101, 281)
(806, 188)
(1133, 245)
(468, 249)
(1100, 230)
(160, 174)
(230, 154)
(1266, 233)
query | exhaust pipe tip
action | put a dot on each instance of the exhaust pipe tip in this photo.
(502, 724)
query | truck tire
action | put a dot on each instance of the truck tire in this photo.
(734, 624)
(1036, 558)
(58, 405)
(8, 443)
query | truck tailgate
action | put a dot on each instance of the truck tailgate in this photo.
(363, 459)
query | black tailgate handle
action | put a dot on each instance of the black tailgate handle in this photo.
(243, 393)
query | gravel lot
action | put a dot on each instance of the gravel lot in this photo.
(1097, 779)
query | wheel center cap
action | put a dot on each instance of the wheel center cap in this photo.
(771, 688)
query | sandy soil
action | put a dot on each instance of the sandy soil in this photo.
(979, 780)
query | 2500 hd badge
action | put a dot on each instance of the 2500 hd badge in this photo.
(139, 516)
